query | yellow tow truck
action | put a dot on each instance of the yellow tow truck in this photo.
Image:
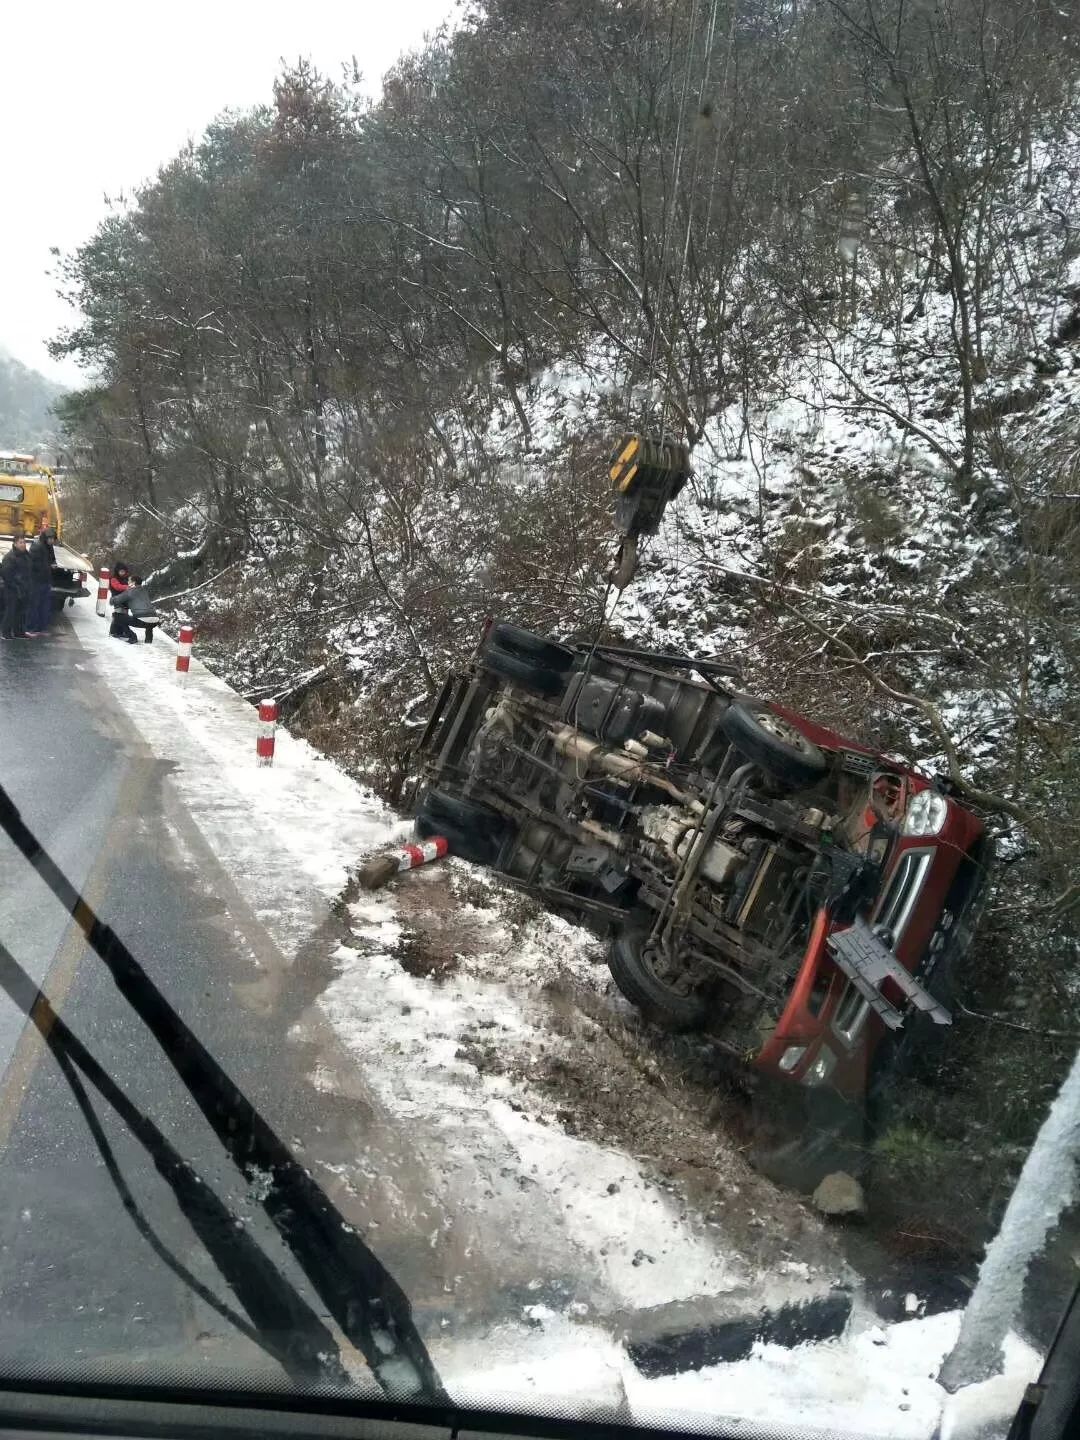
(28, 500)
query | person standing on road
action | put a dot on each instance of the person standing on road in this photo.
(15, 573)
(39, 609)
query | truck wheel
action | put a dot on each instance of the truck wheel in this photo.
(774, 743)
(644, 977)
(529, 674)
(473, 832)
(531, 646)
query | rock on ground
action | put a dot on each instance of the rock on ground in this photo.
(840, 1194)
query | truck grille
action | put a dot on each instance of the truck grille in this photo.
(899, 899)
(893, 913)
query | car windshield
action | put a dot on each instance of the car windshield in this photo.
(571, 914)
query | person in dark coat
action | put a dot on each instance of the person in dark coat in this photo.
(40, 608)
(15, 573)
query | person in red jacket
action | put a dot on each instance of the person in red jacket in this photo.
(119, 582)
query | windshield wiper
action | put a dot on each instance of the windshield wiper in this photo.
(283, 1324)
(365, 1300)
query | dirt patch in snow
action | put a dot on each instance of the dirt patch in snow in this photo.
(586, 1064)
(431, 956)
(457, 918)
(436, 930)
(603, 1076)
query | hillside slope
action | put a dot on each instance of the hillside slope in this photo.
(27, 421)
(827, 543)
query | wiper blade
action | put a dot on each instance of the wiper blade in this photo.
(366, 1301)
(284, 1325)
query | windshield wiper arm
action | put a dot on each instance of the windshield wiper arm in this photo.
(283, 1324)
(368, 1304)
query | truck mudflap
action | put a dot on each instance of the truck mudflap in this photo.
(868, 964)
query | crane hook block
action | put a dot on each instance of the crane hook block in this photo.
(646, 475)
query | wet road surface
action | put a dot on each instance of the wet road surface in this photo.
(80, 1288)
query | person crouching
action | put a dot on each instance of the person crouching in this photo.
(119, 585)
(139, 609)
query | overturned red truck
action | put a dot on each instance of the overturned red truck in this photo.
(796, 892)
(758, 874)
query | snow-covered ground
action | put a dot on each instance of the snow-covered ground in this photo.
(548, 1245)
(286, 834)
(874, 1381)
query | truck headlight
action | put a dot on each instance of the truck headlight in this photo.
(926, 813)
(791, 1057)
(822, 1067)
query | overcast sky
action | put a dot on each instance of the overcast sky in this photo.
(98, 93)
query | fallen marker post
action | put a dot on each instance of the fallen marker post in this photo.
(381, 869)
(264, 744)
(102, 606)
(183, 650)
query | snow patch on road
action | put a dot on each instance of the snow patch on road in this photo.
(287, 834)
(873, 1381)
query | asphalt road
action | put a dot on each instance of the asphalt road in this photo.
(85, 1283)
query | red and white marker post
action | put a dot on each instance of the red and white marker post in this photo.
(413, 855)
(102, 606)
(380, 869)
(183, 650)
(264, 745)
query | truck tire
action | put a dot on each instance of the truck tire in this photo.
(529, 674)
(656, 998)
(473, 832)
(531, 646)
(773, 743)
